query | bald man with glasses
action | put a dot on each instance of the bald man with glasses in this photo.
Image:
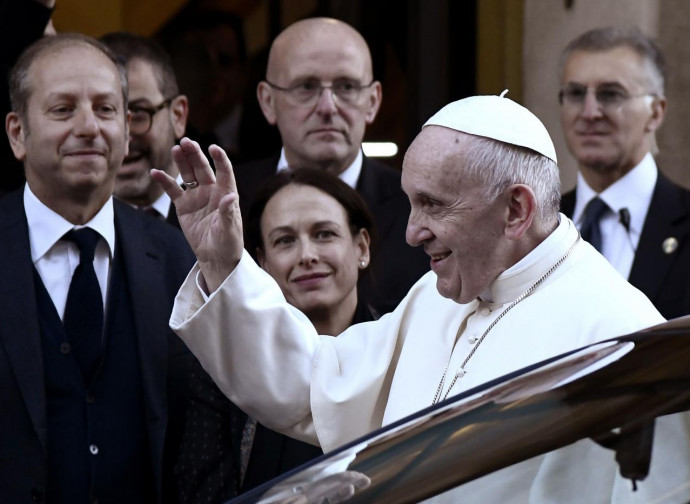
(321, 93)
(612, 102)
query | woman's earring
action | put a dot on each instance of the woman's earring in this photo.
(362, 264)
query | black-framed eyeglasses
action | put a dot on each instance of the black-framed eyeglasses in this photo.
(609, 97)
(308, 92)
(141, 118)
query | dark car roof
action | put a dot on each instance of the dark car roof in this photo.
(620, 383)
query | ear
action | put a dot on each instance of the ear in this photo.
(16, 133)
(520, 211)
(179, 110)
(658, 113)
(264, 94)
(362, 240)
(373, 102)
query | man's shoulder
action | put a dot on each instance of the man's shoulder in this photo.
(379, 183)
(568, 203)
(249, 175)
(137, 225)
(382, 171)
(665, 188)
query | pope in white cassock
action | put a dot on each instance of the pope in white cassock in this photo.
(511, 284)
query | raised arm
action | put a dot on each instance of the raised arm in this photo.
(208, 209)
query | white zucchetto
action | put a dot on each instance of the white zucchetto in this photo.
(498, 118)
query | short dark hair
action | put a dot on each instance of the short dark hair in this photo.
(128, 46)
(20, 87)
(358, 214)
(610, 37)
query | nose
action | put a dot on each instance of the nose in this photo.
(86, 123)
(416, 232)
(326, 103)
(591, 108)
(308, 254)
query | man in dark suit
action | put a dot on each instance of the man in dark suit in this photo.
(86, 413)
(612, 102)
(320, 93)
(158, 119)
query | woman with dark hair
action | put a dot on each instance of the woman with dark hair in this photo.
(313, 234)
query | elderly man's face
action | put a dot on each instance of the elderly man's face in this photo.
(152, 148)
(459, 230)
(326, 132)
(609, 137)
(74, 136)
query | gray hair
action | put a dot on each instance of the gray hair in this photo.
(603, 39)
(20, 85)
(498, 165)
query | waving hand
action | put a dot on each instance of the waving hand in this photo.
(208, 209)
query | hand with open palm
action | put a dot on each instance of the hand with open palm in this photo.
(208, 210)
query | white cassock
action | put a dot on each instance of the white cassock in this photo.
(266, 356)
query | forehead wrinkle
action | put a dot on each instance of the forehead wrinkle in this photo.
(37, 69)
(311, 32)
(644, 73)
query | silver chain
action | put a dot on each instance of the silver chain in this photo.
(461, 371)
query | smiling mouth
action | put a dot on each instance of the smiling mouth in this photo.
(438, 258)
(592, 133)
(133, 158)
(326, 130)
(85, 153)
(311, 276)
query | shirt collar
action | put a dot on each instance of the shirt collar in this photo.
(350, 175)
(162, 204)
(632, 191)
(46, 227)
(519, 277)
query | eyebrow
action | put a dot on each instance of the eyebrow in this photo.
(284, 229)
(428, 197)
(61, 95)
(140, 101)
(606, 83)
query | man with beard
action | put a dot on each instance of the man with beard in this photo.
(158, 119)
(612, 102)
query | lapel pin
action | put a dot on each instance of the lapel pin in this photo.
(669, 245)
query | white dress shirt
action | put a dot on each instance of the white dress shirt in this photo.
(350, 175)
(55, 258)
(634, 192)
(162, 204)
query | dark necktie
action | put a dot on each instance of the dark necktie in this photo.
(153, 212)
(590, 230)
(83, 318)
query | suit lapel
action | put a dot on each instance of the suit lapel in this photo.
(19, 331)
(568, 204)
(375, 193)
(666, 218)
(144, 277)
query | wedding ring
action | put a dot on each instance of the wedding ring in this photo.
(189, 185)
